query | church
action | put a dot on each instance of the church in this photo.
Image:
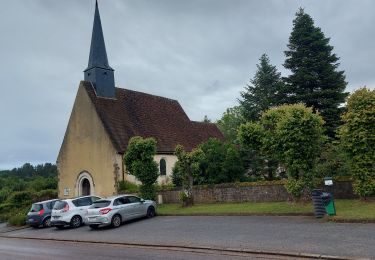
(103, 120)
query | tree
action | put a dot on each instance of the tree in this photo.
(263, 92)
(221, 163)
(139, 161)
(229, 123)
(206, 119)
(357, 136)
(294, 135)
(315, 79)
(260, 164)
(188, 168)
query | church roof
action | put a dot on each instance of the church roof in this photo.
(134, 113)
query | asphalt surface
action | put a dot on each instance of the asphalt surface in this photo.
(19, 249)
(285, 234)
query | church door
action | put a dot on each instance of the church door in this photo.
(85, 187)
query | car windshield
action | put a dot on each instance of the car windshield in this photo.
(36, 207)
(100, 204)
(59, 205)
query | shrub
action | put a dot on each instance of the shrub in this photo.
(45, 195)
(21, 198)
(357, 136)
(17, 219)
(127, 187)
(4, 194)
(139, 161)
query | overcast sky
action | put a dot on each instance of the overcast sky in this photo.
(201, 53)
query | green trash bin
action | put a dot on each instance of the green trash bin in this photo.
(330, 207)
(329, 202)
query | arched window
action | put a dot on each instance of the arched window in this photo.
(163, 167)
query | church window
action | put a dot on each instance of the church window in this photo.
(163, 167)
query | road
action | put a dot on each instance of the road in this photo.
(285, 234)
(20, 249)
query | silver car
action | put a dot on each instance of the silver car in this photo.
(71, 212)
(115, 210)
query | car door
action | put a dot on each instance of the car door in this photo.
(123, 207)
(83, 204)
(136, 206)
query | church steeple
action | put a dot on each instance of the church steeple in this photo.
(98, 70)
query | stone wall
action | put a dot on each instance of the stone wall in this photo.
(242, 192)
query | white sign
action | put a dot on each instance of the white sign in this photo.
(328, 182)
(66, 191)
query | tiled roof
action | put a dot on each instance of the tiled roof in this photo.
(134, 113)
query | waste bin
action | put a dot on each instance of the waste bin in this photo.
(319, 206)
(323, 203)
(329, 203)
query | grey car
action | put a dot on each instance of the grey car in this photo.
(40, 213)
(115, 210)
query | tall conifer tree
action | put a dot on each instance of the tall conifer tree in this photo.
(263, 92)
(315, 79)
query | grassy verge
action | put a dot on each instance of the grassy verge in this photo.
(355, 210)
(346, 209)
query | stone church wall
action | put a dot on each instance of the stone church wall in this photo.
(87, 150)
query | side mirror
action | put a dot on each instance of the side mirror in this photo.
(142, 200)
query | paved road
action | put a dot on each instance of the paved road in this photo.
(287, 234)
(19, 249)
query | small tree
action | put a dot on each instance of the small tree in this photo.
(294, 135)
(260, 163)
(139, 161)
(229, 122)
(188, 167)
(357, 135)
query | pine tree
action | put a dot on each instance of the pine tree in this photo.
(315, 79)
(264, 91)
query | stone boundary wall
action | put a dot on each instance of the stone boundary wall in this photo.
(242, 192)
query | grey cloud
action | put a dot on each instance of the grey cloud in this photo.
(201, 53)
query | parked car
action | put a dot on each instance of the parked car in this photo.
(40, 213)
(115, 210)
(71, 212)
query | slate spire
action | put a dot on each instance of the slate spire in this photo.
(98, 70)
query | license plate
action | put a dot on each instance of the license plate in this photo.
(56, 217)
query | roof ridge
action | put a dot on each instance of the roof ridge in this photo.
(148, 94)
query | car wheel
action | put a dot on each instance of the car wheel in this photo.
(95, 226)
(116, 221)
(151, 212)
(47, 223)
(76, 221)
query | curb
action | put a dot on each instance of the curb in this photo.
(12, 228)
(343, 220)
(198, 248)
(326, 218)
(240, 214)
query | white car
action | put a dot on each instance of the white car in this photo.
(117, 209)
(71, 212)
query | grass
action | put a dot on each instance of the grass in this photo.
(346, 209)
(236, 208)
(355, 209)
